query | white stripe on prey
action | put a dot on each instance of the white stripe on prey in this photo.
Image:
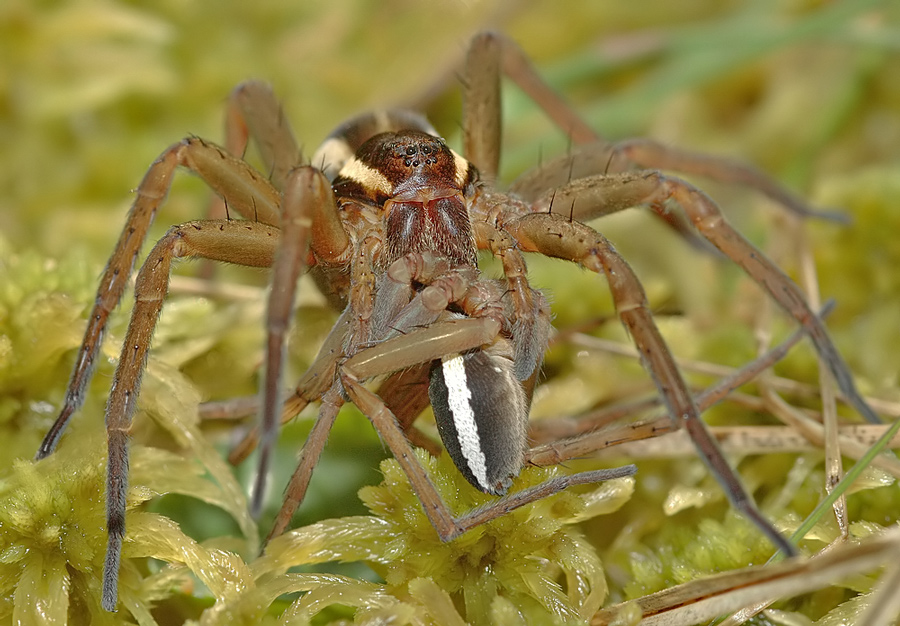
(459, 400)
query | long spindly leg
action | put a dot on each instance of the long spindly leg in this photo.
(296, 488)
(556, 236)
(254, 111)
(652, 154)
(600, 195)
(481, 105)
(243, 242)
(710, 222)
(246, 191)
(309, 221)
(490, 54)
(600, 158)
(586, 436)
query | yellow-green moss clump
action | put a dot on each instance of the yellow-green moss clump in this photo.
(531, 566)
(52, 519)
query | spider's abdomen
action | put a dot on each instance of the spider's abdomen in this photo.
(480, 408)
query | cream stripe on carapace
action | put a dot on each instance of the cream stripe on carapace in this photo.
(462, 169)
(368, 177)
(459, 398)
(332, 155)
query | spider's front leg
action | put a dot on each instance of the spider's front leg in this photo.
(307, 196)
(597, 195)
(241, 242)
(248, 193)
(247, 243)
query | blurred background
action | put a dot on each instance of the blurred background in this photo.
(91, 92)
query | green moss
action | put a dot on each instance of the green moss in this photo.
(53, 514)
(532, 561)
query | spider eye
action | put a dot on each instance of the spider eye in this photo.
(410, 150)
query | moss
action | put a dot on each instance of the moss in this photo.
(53, 514)
(532, 562)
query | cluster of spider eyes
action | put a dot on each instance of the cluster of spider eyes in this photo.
(412, 151)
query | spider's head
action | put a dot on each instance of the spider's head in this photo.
(405, 166)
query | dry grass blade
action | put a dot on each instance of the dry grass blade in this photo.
(855, 441)
(704, 599)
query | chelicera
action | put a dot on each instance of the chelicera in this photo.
(389, 220)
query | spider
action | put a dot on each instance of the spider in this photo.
(388, 219)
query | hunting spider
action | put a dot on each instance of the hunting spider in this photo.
(389, 219)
